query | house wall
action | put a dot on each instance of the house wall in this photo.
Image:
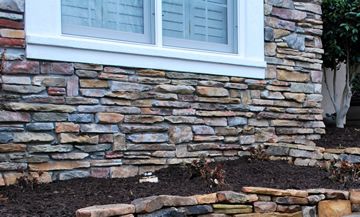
(61, 120)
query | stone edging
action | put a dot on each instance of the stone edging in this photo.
(250, 202)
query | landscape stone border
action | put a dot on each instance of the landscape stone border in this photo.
(250, 202)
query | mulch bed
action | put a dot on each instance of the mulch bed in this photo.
(64, 198)
(337, 137)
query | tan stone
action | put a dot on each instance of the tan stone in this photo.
(92, 83)
(355, 196)
(264, 207)
(12, 148)
(270, 49)
(41, 177)
(147, 204)
(273, 214)
(73, 138)
(12, 33)
(298, 97)
(2, 180)
(124, 171)
(67, 127)
(206, 198)
(169, 200)
(275, 192)
(150, 73)
(284, 75)
(334, 208)
(109, 117)
(212, 91)
(234, 197)
(10, 178)
(106, 210)
(59, 165)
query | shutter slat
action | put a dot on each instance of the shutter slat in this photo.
(174, 18)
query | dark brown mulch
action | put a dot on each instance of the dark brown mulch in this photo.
(64, 198)
(337, 137)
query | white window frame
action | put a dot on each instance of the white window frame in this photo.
(44, 40)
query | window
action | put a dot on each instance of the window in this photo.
(205, 36)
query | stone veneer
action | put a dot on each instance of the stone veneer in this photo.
(250, 202)
(60, 120)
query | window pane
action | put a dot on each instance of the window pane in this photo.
(200, 20)
(107, 18)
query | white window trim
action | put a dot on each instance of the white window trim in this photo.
(45, 41)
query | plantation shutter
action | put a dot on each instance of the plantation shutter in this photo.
(200, 24)
(208, 21)
(108, 18)
(174, 18)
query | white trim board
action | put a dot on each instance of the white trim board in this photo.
(48, 43)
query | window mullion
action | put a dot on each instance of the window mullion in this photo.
(158, 23)
(241, 23)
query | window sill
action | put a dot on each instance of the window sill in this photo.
(107, 52)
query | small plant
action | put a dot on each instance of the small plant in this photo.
(213, 175)
(27, 180)
(258, 153)
(344, 172)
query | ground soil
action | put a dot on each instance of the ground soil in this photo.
(337, 137)
(65, 197)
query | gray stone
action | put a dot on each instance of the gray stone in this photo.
(15, 106)
(180, 134)
(6, 116)
(309, 211)
(124, 86)
(305, 154)
(180, 89)
(350, 158)
(282, 3)
(16, 80)
(13, 166)
(26, 89)
(74, 174)
(136, 128)
(94, 148)
(269, 34)
(86, 73)
(32, 137)
(98, 128)
(247, 139)
(40, 126)
(169, 212)
(11, 16)
(116, 109)
(277, 151)
(12, 5)
(302, 88)
(6, 137)
(196, 210)
(119, 142)
(148, 137)
(81, 118)
(203, 130)
(50, 116)
(237, 121)
(295, 41)
(50, 148)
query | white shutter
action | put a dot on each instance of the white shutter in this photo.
(208, 21)
(128, 20)
(76, 12)
(174, 18)
(199, 24)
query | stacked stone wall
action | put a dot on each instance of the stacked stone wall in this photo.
(250, 202)
(60, 120)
